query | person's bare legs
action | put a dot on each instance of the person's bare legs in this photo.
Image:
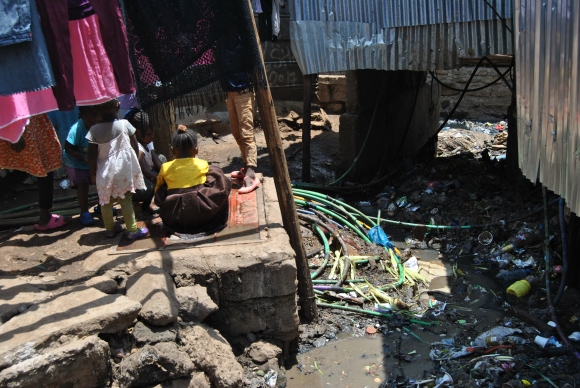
(250, 176)
(45, 196)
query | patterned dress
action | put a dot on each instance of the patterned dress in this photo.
(118, 170)
(42, 153)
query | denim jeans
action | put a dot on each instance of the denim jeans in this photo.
(15, 21)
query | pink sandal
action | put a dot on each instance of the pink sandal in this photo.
(55, 222)
(249, 189)
(238, 174)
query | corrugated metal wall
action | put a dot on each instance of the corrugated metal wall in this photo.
(547, 69)
(339, 35)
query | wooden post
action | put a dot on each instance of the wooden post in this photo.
(164, 133)
(284, 190)
(306, 116)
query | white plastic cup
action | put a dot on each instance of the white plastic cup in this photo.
(541, 341)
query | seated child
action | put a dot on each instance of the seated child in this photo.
(149, 161)
(75, 155)
(115, 169)
(192, 195)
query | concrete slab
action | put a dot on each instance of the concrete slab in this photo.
(16, 296)
(81, 311)
(254, 285)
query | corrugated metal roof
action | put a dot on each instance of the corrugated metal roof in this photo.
(399, 13)
(339, 35)
(547, 69)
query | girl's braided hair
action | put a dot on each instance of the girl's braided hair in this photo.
(140, 121)
(184, 138)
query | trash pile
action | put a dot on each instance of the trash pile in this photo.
(474, 138)
(496, 324)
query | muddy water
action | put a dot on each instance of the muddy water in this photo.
(364, 361)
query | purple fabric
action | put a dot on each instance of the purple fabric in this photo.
(78, 175)
(57, 35)
(79, 9)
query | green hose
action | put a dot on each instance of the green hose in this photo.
(362, 261)
(56, 200)
(326, 253)
(339, 218)
(377, 314)
(332, 201)
(334, 281)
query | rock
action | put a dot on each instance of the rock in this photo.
(262, 351)
(196, 380)
(194, 303)
(79, 363)
(103, 284)
(153, 364)
(81, 311)
(319, 342)
(211, 353)
(146, 335)
(17, 296)
(154, 289)
(251, 337)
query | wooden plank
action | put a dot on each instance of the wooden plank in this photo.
(284, 191)
(306, 117)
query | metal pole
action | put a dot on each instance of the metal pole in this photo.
(306, 116)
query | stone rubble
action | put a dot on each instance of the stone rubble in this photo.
(155, 290)
(194, 303)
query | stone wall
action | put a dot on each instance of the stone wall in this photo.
(488, 104)
(332, 92)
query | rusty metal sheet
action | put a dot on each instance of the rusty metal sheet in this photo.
(547, 67)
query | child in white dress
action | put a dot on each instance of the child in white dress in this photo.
(114, 168)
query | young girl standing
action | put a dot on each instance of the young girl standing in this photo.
(114, 168)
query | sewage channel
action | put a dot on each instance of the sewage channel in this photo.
(358, 359)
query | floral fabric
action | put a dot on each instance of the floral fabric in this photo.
(42, 153)
(118, 170)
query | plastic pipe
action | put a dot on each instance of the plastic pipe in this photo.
(332, 281)
(331, 201)
(335, 234)
(362, 261)
(304, 211)
(376, 314)
(56, 200)
(564, 253)
(337, 206)
(468, 226)
(333, 214)
(326, 253)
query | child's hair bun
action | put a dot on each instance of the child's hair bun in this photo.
(181, 129)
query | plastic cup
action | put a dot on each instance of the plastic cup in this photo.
(485, 238)
(541, 341)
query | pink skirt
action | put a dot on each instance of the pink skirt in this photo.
(94, 81)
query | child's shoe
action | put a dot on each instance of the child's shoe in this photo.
(113, 233)
(97, 211)
(87, 219)
(141, 232)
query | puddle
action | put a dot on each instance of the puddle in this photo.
(363, 361)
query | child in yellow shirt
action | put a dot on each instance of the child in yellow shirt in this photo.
(192, 195)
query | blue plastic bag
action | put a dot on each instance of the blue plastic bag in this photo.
(378, 236)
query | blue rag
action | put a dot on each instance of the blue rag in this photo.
(378, 236)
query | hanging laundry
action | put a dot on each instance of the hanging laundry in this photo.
(180, 46)
(257, 6)
(276, 4)
(25, 66)
(88, 50)
(15, 22)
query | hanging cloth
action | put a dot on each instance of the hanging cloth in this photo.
(181, 46)
(55, 15)
(118, 170)
(25, 66)
(265, 21)
(15, 22)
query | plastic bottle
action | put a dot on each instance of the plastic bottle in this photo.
(522, 239)
(512, 276)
